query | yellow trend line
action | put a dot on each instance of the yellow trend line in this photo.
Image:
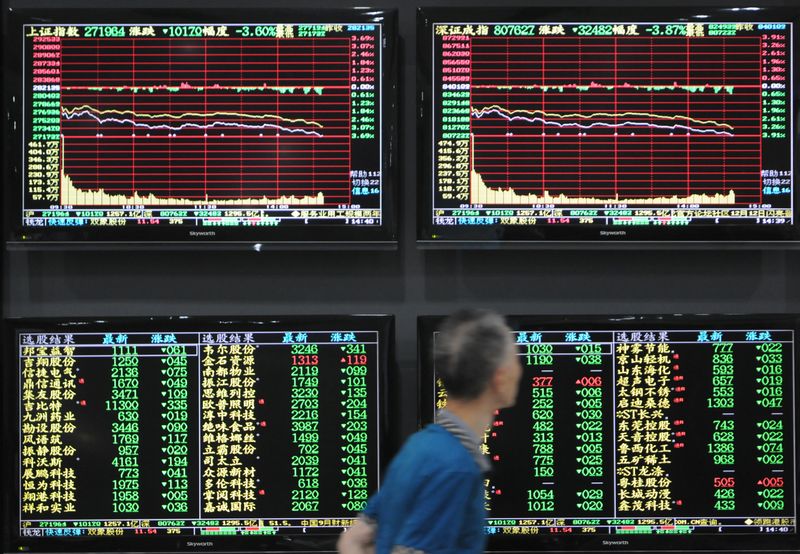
(69, 111)
(482, 111)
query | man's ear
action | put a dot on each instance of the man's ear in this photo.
(499, 376)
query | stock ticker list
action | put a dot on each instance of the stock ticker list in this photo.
(645, 432)
(199, 433)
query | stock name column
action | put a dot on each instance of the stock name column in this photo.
(490, 436)
(644, 366)
(49, 457)
(229, 424)
(99, 394)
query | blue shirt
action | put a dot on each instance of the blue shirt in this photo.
(432, 499)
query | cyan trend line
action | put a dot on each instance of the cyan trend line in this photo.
(601, 114)
(481, 113)
(88, 108)
(188, 124)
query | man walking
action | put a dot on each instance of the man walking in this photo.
(432, 500)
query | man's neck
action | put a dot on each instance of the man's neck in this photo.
(477, 414)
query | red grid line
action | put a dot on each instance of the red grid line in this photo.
(100, 151)
(544, 155)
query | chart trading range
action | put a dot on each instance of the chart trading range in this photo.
(645, 431)
(584, 124)
(203, 125)
(246, 431)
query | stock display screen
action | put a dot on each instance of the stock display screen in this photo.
(212, 130)
(198, 430)
(643, 428)
(636, 128)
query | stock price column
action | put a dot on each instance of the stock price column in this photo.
(564, 414)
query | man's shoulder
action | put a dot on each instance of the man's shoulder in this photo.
(437, 448)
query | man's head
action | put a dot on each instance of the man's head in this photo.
(475, 356)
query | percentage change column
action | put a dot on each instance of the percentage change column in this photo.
(774, 450)
(174, 424)
(354, 420)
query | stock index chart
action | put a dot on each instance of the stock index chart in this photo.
(660, 124)
(208, 125)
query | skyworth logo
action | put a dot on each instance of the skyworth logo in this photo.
(615, 543)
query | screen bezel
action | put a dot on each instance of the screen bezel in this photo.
(427, 325)
(12, 327)
(566, 236)
(319, 236)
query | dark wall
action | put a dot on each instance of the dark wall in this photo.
(406, 282)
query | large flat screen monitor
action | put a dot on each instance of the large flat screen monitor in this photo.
(255, 126)
(642, 432)
(192, 433)
(607, 125)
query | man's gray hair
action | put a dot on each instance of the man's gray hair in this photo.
(470, 346)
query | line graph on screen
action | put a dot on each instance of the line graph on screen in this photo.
(194, 121)
(615, 120)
